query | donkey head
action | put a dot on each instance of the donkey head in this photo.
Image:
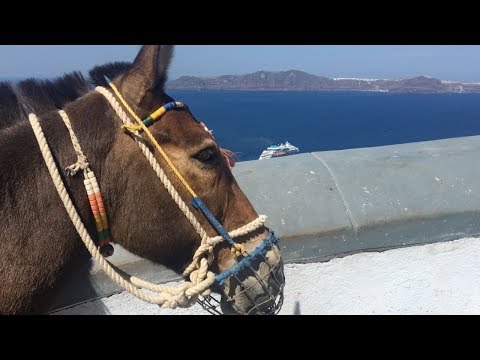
(145, 219)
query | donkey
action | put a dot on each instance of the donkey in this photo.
(39, 246)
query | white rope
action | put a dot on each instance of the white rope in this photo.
(201, 278)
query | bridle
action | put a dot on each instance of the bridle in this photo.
(200, 278)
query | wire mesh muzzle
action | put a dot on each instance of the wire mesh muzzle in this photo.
(236, 288)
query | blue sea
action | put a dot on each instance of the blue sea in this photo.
(247, 122)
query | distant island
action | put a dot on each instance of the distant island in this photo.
(295, 80)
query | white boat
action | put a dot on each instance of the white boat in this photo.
(278, 150)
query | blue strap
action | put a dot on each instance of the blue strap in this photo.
(247, 260)
(170, 105)
(198, 204)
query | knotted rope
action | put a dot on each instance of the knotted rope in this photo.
(82, 162)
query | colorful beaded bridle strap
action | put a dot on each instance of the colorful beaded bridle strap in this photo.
(93, 190)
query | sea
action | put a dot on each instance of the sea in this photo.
(246, 122)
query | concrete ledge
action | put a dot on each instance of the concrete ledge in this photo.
(329, 204)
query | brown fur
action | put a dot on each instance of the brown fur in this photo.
(38, 243)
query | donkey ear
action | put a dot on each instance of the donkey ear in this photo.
(152, 62)
(147, 75)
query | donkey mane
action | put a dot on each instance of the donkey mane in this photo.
(46, 95)
(111, 70)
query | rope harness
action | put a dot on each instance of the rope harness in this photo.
(200, 278)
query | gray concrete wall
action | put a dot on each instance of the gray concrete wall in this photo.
(329, 204)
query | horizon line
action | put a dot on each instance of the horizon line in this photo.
(333, 78)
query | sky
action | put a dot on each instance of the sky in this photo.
(446, 62)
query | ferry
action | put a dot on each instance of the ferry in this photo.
(278, 150)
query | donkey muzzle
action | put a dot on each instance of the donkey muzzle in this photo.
(254, 285)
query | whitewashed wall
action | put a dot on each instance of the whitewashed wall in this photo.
(439, 278)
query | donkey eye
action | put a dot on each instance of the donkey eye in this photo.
(208, 155)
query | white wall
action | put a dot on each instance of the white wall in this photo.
(440, 278)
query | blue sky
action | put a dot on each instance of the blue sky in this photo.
(452, 62)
